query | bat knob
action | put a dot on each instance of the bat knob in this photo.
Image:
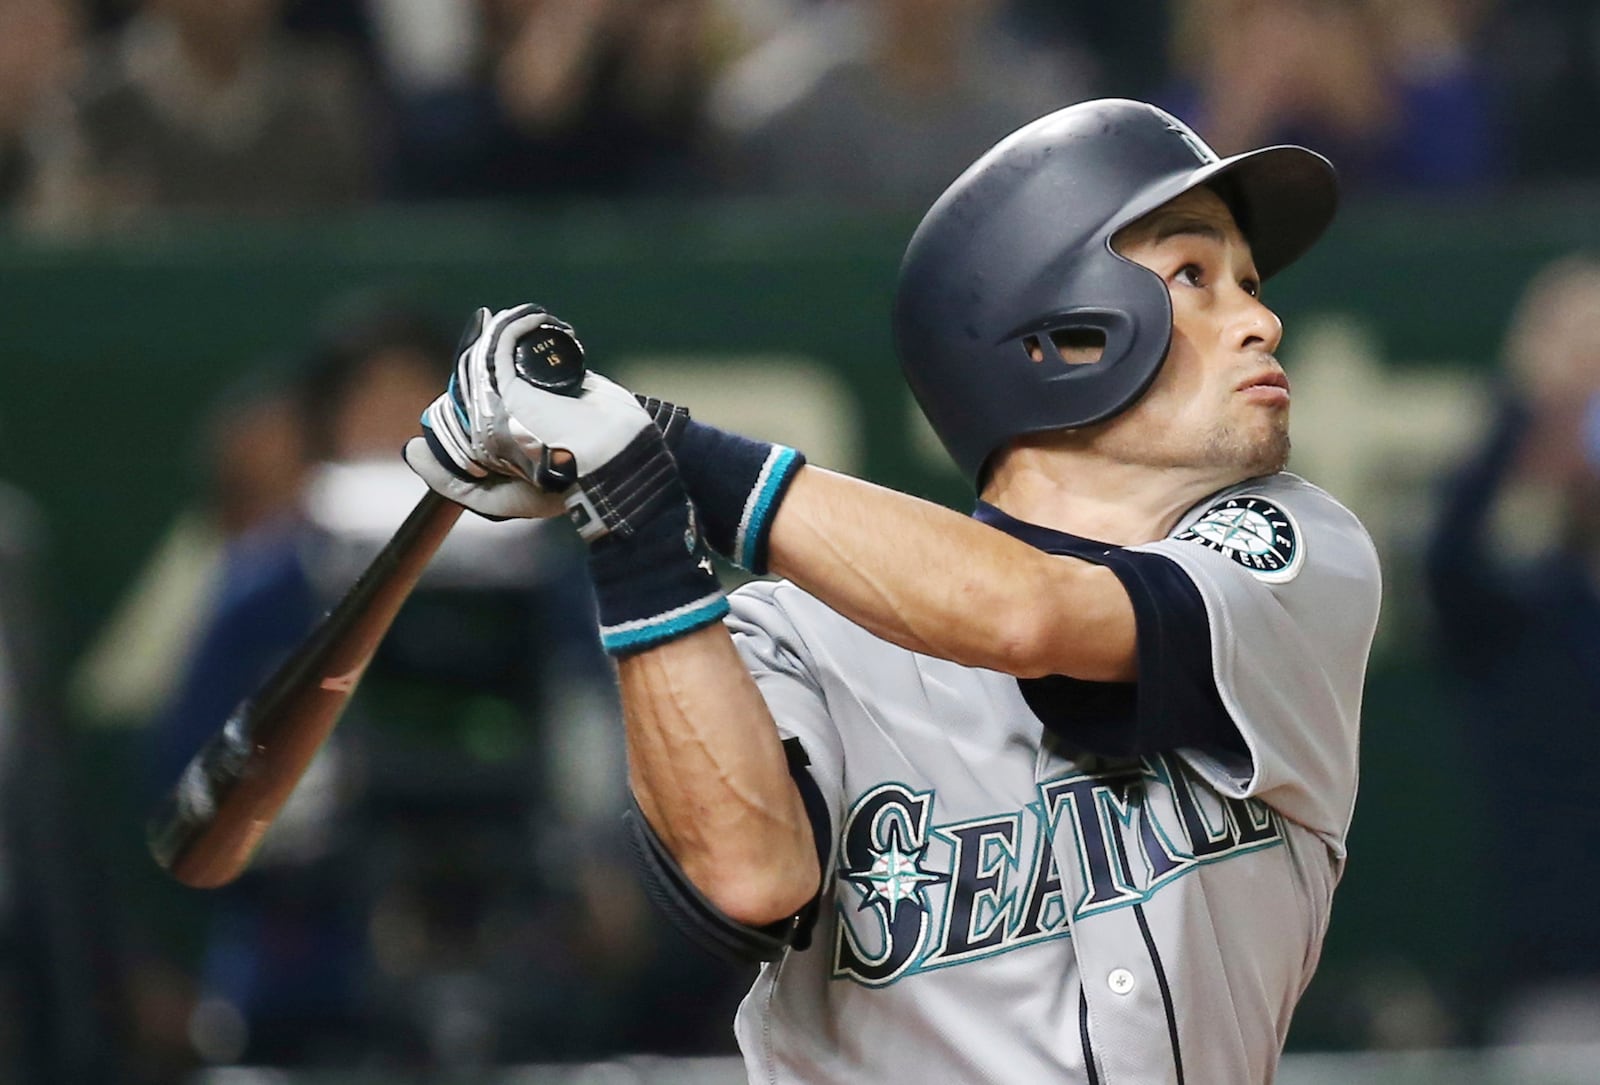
(550, 358)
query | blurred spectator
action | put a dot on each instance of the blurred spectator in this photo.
(1124, 39)
(1393, 91)
(885, 102)
(512, 98)
(39, 56)
(345, 23)
(205, 105)
(447, 887)
(252, 460)
(282, 968)
(1519, 629)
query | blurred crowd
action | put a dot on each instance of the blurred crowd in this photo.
(111, 109)
(1513, 572)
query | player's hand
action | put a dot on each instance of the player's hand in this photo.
(600, 449)
(460, 424)
(453, 454)
(595, 445)
(492, 496)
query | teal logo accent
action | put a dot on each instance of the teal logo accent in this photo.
(1253, 532)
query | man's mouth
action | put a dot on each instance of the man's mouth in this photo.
(1272, 379)
(1269, 388)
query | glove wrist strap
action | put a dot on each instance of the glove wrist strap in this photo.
(653, 580)
(655, 584)
(625, 491)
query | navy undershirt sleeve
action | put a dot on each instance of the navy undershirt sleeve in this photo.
(1174, 702)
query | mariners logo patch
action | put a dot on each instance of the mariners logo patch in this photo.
(1253, 532)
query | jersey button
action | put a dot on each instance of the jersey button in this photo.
(1120, 981)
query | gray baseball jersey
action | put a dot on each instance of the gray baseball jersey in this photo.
(1077, 882)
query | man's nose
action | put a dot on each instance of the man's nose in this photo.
(1256, 326)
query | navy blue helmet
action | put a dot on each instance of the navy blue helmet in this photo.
(1018, 250)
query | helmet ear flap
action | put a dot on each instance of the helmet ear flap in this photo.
(1090, 361)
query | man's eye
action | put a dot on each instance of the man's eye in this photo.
(1190, 275)
(1251, 287)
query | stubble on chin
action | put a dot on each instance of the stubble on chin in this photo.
(1236, 448)
(1276, 455)
(1250, 454)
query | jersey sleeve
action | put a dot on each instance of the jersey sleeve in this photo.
(1291, 588)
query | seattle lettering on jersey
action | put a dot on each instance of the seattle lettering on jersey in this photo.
(916, 894)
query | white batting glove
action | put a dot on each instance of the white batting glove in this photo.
(454, 454)
(653, 581)
(496, 419)
(620, 466)
(466, 426)
(494, 496)
(513, 411)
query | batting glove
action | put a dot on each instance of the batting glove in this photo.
(601, 452)
(496, 421)
(652, 578)
(494, 497)
(453, 455)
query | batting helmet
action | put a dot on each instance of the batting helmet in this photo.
(1019, 248)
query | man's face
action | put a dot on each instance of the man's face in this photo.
(1220, 401)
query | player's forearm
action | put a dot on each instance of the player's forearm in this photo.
(936, 582)
(708, 770)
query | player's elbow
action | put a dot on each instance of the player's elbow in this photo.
(759, 894)
(1097, 644)
(1023, 644)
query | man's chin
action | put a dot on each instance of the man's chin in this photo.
(1262, 454)
(1275, 458)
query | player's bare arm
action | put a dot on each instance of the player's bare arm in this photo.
(708, 772)
(936, 582)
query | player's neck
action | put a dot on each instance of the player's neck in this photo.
(1125, 504)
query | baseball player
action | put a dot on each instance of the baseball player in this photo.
(1057, 792)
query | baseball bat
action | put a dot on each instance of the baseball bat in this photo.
(208, 826)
